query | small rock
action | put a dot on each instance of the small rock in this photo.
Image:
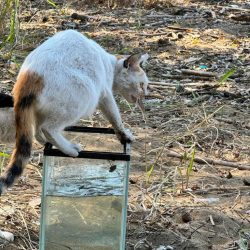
(164, 248)
(161, 248)
(163, 42)
(229, 175)
(6, 236)
(246, 181)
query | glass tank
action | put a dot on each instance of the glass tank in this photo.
(84, 199)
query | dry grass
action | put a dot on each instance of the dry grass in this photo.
(141, 3)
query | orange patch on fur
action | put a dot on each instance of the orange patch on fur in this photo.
(27, 83)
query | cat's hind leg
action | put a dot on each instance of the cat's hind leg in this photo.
(55, 137)
(40, 137)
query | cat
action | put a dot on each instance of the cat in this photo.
(7, 119)
(64, 79)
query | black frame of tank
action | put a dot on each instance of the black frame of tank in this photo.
(114, 156)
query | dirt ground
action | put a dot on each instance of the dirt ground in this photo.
(169, 207)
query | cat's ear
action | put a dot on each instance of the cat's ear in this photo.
(135, 60)
(131, 61)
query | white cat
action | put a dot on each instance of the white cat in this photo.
(66, 78)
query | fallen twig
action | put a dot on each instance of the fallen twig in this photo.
(83, 18)
(162, 84)
(220, 190)
(159, 16)
(156, 23)
(180, 77)
(154, 34)
(242, 17)
(155, 96)
(197, 100)
(211, 161)
(179, 28)
(184, 84)
(211, 220)
(233, 8)
(199, 73)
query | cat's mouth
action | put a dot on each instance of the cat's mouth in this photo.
(138, 101)
(141, 104)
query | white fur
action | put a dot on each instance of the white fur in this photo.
(79, 76)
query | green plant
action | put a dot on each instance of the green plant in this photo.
(9, 11)
(229, 73)
(189, 168)
(243, 242)
(138, 24)
(152, 166)
(195, 95)
(149, 172)
(52, 3)
(3, 156)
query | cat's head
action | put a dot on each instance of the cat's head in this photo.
(130, 79)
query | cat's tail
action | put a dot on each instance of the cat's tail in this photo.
(27, 88)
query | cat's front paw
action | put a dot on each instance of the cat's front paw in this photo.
(125, 136)
(77, 147)
(71, 150)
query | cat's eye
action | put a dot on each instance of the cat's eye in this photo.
(125, 64)
(141, 64)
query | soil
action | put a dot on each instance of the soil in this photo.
(173, 203)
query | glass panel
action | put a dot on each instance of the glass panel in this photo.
(84, 204)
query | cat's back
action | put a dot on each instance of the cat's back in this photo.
(68, 61)
(65, 47)
(67, 40)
